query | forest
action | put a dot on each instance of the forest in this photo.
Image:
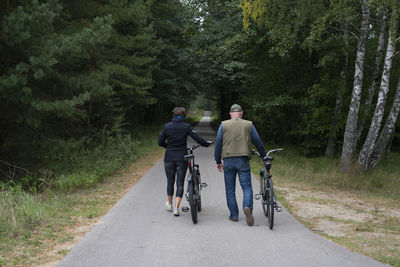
(77, 77)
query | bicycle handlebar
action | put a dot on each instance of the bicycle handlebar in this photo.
(272, 151)
(192, 147)
(196, 146)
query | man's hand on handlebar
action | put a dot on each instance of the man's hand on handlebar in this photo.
(219, 167)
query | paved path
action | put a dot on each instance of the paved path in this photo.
(138, 231)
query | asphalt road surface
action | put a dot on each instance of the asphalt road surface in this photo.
(138, 231)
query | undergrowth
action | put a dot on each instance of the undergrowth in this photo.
(27, 206)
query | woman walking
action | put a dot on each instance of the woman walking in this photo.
(174, 138)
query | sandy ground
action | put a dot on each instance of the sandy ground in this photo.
(362, 223)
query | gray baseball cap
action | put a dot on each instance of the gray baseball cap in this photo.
(236, 108)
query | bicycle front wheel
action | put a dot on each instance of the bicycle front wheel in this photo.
(270, 208)
(198, 194)
(192, 202)
(198, 200)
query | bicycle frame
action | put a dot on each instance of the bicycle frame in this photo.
(193, 168)
(269, 202)
(194, 185)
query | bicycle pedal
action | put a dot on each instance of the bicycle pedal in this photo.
(203, 185)
(185, 209)
(257, 196)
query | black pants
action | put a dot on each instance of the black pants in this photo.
(177, 168)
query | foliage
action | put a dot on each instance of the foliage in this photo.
(47, 81)
(130, 55)
(70, 70)
(23, 204)
(215, 53)
(29, 219)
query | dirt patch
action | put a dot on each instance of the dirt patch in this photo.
(331, 228)
(313, 210)
(363, 223)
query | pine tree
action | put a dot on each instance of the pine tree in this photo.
(48, 79)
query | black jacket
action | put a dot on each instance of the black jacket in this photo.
(174, 138)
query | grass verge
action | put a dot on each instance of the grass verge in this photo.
(360, 212)
(41, 228)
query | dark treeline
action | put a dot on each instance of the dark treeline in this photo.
(73, 70)
(319, 75)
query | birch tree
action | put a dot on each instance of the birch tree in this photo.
(387, 132)
(370, 142)
(349, 142)
(375, 75)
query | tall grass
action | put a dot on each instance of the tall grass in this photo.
(290, 165)
(24, 211)
(90, 166)
(21, 211)
(85, 166)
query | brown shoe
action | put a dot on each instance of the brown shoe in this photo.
(249, 216)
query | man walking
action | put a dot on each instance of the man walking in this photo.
(233, 144)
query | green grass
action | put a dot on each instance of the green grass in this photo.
(321, 171)
(29, 220)
(376, 237)
(87, 167)
(380, 252)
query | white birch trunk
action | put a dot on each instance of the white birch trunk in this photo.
(350, 134)
(375, 76)
(387, 132)
(370, 142)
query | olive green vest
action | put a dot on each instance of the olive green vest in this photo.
(236, 140)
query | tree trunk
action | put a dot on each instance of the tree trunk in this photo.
(330, 147)
(370, 142)
(387, 132)
(389, 146)
(89, 115)
(375, 76)
(350, 134)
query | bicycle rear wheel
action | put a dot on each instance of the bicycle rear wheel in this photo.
(263, 198)
(192, 202)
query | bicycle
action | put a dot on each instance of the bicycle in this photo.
(194, 185)
(267, 194)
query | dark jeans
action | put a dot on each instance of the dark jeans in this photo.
(178, 169)
(239, 166)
